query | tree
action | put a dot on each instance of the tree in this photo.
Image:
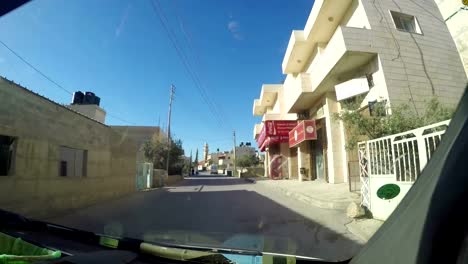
(196, 158)
(362, 126)
(246, 161)
(155, 151)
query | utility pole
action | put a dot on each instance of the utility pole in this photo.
(171, 98)
(235, 157)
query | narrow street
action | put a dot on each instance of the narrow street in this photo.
(221, 211)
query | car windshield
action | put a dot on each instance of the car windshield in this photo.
(291, 127)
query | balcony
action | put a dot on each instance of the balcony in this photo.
(347, 51)
(321, 25)
(257, 130)
(278, 116)
(268, 97)
(295, 87)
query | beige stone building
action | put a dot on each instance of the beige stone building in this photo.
(54, 159)
(388, 52)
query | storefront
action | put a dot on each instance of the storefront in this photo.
(273, 140)
(303, 142)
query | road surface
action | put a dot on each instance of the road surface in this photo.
(223, 212)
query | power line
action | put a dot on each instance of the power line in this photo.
(187, 36)
(36, 69)
(120, 119)
(50, 79)
(162, 18)
(159, 12)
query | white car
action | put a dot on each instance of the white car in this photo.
(214, 169)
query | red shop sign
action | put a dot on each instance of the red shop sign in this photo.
(279, 127)
(305, 130)
(277, 130)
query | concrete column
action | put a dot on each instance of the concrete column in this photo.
(290, 167)
(300, 161)
(292, 164)
(267, 163)
(303, 158)
(336, 154)
(284, 151)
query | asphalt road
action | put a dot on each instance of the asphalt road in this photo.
(222, 211)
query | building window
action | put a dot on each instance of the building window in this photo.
(378, 108)
(73, 162)
(7, 155)
(405, 22)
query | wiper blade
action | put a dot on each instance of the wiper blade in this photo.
(157, 249)
(164, 250)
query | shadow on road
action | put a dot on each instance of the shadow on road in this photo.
(234, 218)
(212, 181)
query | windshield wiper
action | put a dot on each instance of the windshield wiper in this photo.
(179, 252)
(165, 250)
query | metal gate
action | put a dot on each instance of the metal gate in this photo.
(144, 177)
(397, 158)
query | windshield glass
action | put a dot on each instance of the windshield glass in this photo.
(292, 128)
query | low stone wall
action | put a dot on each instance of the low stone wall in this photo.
(174, 179)
(159, 177)
(253, 172)
(166, 180)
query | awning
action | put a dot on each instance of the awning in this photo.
(274, 132)
(305, 130)
(272, 141)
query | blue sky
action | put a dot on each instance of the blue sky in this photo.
(120, 51)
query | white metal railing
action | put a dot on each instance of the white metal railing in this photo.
(364, 174)
(401, 155)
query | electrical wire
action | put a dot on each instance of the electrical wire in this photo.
(34, 68)
(187, 37)
(51, 80)
(120, 119)
(162, 17)
(159, 12)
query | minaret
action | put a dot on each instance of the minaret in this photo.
(205, 152)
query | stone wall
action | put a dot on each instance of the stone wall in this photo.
(173, 179)
(41, 127)
(416, 66)
(157, 175)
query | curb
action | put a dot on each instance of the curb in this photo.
(355, 228)
(356, 231)
(250, 180)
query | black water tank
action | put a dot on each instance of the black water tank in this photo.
(89, 98)
(78, 97)
(97, 100)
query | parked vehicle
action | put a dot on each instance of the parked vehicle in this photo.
(214, 169)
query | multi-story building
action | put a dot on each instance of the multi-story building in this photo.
(271, 106)
(392, 52)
